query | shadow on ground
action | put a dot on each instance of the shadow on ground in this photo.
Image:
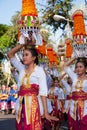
(7, 122)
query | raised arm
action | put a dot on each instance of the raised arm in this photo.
(69, 62)
(68, 70)
(11, 55)
(61, 76)
(23, 42)
(12, 52)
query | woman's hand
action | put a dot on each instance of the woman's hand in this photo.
(50, 117)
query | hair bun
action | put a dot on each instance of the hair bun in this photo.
(81, 59)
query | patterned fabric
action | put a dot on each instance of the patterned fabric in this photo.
(3, 105)
(13, 105)
(76, 124)
(22, 125)
(31, 106)
(30, 87)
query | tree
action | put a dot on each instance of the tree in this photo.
(9, 39)
(15, 18)
(60, 7)
(9, 34)
(3, 29)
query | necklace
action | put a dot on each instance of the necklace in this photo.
(26, 78)
(79, 85)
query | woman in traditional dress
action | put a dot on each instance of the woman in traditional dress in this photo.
(77, 115)
(31, 83)
(56, 96)
(67, 84)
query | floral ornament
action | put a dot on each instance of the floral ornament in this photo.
(51, 55)
(69, 49)
(42, 48)
(28, 8)
(29, 24)
(79, 27)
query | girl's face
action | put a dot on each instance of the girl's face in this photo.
(52, 83)
(7, 89)
(27, 57)
(3, 87)
(69, 80)
(80, 68)
(56, 82)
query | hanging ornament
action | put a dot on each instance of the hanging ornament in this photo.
(42, 48)
(29, 24)
(69, 49)
(79, 31)
(28, 8)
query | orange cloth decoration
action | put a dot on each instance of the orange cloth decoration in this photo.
(42, 48)
(49, 53)
(69, 49)
(52, 57)
(28, 8)
(55, 58)
(18, 34)
(79, 26)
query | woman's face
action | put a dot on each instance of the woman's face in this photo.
(27, 57)
(80, 68)
(3, 87)
(69, 80)
(56, 82)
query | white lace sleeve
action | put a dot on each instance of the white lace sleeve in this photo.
(17, 64)
(16, 76)
(42, 82)
(66, 85)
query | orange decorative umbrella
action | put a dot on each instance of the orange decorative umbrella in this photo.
(28, 8)
(79, 27)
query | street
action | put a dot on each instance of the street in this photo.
(7, 122)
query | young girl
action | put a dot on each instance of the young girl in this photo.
(31, 83)
(78, 105)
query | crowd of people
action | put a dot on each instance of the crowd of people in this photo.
(41, 100)
(8, 97)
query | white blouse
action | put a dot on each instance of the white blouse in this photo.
(75, 103)
(67, 86)
(74, 78)
(37, 77)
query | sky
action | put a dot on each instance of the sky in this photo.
(8, 8)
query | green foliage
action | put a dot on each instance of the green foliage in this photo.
(60, 7)
(3, 29)
(9, 34)
(8, 39)
(12, 33)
